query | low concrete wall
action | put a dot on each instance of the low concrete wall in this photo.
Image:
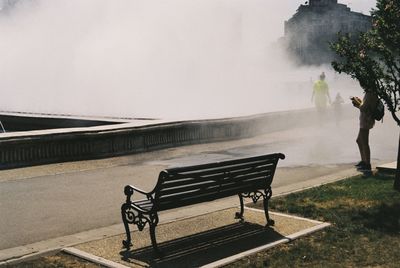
(15, 122)
(51, 146)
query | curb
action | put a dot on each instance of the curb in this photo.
(29, 257)
(92, 258)
(389, 168)
(52, 246)
(315, 182)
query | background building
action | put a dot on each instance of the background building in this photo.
(315, 24)
(6, 5)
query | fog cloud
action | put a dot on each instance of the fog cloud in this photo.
(155, 58)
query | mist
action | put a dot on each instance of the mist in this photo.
(174, 59)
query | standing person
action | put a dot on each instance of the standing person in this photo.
(337, 107)
(367, 107)
(321, 96)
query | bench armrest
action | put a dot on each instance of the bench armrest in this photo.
(133, 188)
(129, 190)
(281, 156)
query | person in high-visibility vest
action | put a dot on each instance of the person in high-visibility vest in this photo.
(320, 94)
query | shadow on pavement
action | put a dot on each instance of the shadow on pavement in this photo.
(206, 247)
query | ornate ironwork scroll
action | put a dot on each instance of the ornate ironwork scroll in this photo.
(255, 196)
(132, 216)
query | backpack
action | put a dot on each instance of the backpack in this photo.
(379, 111)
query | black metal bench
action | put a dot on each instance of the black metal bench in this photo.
(177, 187)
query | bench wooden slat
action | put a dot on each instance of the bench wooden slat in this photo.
(222, 182)
(201, 172)
(194, 191)
(172, 203)
(224, 163)
(214, 192)
(188, 180)
(204, 197)
(144, 204)
(223, 168)
(236, 189)
(263, 178)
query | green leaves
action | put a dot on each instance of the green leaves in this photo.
(373, 58)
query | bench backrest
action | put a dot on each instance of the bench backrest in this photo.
(183, 186)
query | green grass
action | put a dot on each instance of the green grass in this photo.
(365, 231)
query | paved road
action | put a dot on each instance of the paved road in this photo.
(44, 202)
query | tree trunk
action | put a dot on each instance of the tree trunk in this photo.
(397, 178)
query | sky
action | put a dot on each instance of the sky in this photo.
(153, 58)
(361, 5)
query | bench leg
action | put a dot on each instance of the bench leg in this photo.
(153, 224)
(124, 211)
(267, 196)
(239, 215)
(153, 239)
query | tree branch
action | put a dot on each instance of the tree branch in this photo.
(396, 118)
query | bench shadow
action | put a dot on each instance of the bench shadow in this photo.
(206, 247)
